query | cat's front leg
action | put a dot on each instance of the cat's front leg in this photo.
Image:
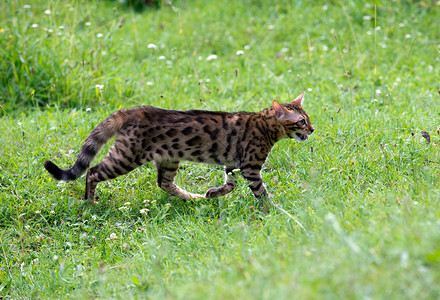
(228, 186)
(252, 174)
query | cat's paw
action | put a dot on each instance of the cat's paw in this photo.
(213, 192)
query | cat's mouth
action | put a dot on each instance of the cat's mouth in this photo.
(299, 136)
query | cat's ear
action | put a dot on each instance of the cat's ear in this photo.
(280, 111)
(298, 100)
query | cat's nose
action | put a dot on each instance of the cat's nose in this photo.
(311, 130)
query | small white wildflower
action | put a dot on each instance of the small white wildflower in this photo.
(325, 7)
(430, 68)
(122, 208)
(309, 89)
(104, 53)
(367, 18)
(69, 244)
(19, 123)
(94, 217)
(401, 25)
(200, 57)
(247, 47)
(47, 11)
(100, 35)
(271, 27)
(100, 86)
(168, 204)
(378, 28)
(408, 36)
(149, 83)
(113, 236)
(144, 211)
(88, 109)
(34, 261)
(55, 257)
(169, 62)
(34, 25)
(325, 48)
(61, 27)
(239, 52)
(398, 79)
(284, 50)
(26, 6)
(127, 203)
(152, 46)
(378, 92)
(52, 211)
(162, 57)
(88, 23)
(369, 32)
(211, 57)
(38, 212)
(50, 30)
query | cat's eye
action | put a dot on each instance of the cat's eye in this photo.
(302, 122)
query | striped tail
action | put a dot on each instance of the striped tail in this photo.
(97, 138)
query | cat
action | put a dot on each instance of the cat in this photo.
(239, 140)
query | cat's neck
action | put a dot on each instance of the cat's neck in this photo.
(275, 131)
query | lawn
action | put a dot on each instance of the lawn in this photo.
(357, 212)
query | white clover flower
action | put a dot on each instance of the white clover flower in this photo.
(61, 27)
(144, 211)
(271, 27)
(325, 7)
(239, 52)
(88, 109)
(162, 57)
(100, 35)
(408, 36)
(369, 32)
(152, 46)
(55, 257)
(100, 86)
(378, 28)
(50, 30)
(34, 25)
(367, 18)
(113, 236)
(309, 89)
(94, 217)
(19, 123)
(123, 208)
(247, 47)
(88, 23)
(325, 48)
(378, 92)
(284, 50)
(52, 211)
(149, 83)
(207, 80)
(47, 11)
(211, 57)
(26, 6)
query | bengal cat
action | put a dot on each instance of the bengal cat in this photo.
(239, 140)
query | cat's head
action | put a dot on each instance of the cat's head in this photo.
(293, 118)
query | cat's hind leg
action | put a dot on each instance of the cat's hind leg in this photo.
(166, 171)
(117, 162)
(228, 186)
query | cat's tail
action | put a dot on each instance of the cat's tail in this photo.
(97, 138)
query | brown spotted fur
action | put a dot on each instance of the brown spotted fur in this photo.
(238, 140)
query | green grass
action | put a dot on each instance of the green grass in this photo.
(364, 186)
